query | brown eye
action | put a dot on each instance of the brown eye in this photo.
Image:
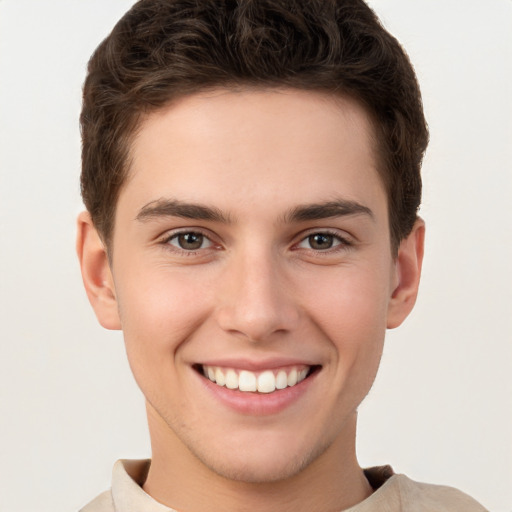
(321, 241)
(190, 241)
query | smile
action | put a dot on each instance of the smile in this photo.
(266, 381)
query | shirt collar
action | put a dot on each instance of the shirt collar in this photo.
(127, 493)
(128, 477)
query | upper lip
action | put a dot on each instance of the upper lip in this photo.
(257, 365)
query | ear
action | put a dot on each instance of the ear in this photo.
(96, 273)
(408, 271)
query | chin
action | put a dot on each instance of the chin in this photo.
(261, 463)
(256, 471)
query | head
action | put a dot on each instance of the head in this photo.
(163, 50)
(252, 170)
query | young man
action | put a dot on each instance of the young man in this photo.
(251, 178)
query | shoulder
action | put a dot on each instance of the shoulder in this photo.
(103, 503)
(420, 497)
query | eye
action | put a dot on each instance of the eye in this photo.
(322, 241)
(190, 241)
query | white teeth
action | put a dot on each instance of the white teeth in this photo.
(264, 382)
(281, 380)
(219, 377)
(247, 381)
(231, 379)
(292, 378)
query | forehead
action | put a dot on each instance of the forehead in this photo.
(253, 145)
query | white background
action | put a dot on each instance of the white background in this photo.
(441, 409)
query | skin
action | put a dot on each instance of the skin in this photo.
(258, 290)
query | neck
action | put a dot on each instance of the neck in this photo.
(178, 479)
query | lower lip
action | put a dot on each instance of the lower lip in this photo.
(258, 404)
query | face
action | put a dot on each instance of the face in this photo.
(252, 276)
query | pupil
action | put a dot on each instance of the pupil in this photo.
(321, 241)
(190, 241)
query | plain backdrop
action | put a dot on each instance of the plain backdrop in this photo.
(441, 408)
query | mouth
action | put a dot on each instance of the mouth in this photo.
(265, 381)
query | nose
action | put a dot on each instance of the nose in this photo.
(257, 300)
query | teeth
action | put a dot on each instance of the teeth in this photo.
(264, 382)
(247, 381)
(281, 380)
(219, 377)
(231, 379)
(292, 378)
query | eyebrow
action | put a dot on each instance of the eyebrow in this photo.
(316, 211)
(175, 208)
(329, 209)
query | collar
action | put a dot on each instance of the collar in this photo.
(128, 476)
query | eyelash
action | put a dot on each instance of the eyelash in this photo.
(342, 242)
(166, 241)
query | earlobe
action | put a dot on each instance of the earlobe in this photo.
(408, 272)
(96, 273)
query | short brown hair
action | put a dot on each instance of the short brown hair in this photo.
(163, 49)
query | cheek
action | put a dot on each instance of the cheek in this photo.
(356, 328)
(351, 310)
(351, 301)
(159, 310)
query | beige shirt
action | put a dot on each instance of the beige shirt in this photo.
(394, 493)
